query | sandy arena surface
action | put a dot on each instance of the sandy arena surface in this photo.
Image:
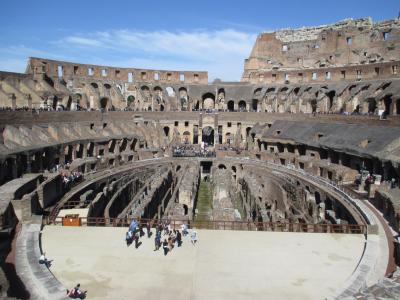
(223, 265)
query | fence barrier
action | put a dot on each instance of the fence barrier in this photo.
(219, 225)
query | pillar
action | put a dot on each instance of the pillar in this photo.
(28, 163)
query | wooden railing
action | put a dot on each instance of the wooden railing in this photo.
(222, 225)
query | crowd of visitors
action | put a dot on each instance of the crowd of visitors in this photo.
(192, 151)
(166, 237)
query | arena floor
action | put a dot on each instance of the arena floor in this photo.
(223, 265)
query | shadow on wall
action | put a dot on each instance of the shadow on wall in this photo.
(10, 280)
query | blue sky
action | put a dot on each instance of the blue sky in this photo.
(214, 36)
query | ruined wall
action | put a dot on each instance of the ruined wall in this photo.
(349, 49)
(69, 70)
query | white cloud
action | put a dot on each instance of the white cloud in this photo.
(82, 41)
(220, 52)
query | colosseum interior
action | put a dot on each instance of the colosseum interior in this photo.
(303, 154)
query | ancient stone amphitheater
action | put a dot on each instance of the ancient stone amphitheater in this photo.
(290, 176)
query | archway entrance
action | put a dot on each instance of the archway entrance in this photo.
(231, 105)
(398, 106)
(242, 105)
(208, 101)
(208, 135)
(387, 101)
(371, 106)
(104, 103)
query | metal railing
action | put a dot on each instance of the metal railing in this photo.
(220, 225)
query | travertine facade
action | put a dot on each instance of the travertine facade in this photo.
(347, 50)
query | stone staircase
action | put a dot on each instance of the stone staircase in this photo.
(204, 203)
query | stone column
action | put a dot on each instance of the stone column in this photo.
(85, 150)
(28, 163)
(14, 168)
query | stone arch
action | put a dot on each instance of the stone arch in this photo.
(221, 166)
(157, 94)
(242, 105)
(371, 105)
(208, 135)
(186, 137)
(228, 138)
(170, 91)
(398, 106)
(254, 104)
(208, 100)
(166, 130)
(130, 101)
(94, 85)
(231, 105)
(104, 103)
(387, 104)
(331, 95)
(183, 99)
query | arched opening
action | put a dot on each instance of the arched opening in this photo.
(161, 107)
(317, 197)
(104, 103)
(387, 101)
(183, 99)
(157, 95)
(166, 131)
(234, 172)
(55, 102)
(94, 85)
(222, 167)
(228, 138)
(208, 135)
(313, 103)
(331, 95)
(185, 209)
(186, 137)
(170, 91)
(254, 104)
(130, 101)
(371, 105)
(242, 105)
(231, 105)
(107, 86)
(257, 92)
(248, 131)
(398, 106)
(208, 101)
(197, 105)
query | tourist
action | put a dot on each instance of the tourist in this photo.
(133, 225)
(170, 244)
(148, 228)
(178, 238)
(76, 292)
(157, 241)
(165, 247)
(137, 237)
(43, 260)
(194, 237)
(141, 232)
(184, 229)
(128, 237)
